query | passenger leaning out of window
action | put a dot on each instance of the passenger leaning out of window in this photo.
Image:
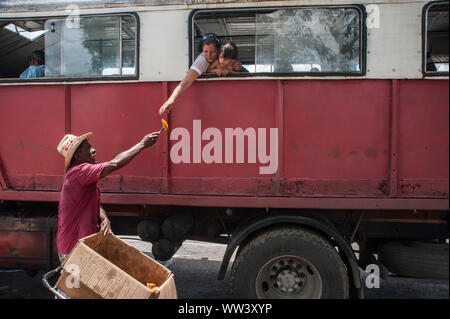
(227, 61)
(209, 49)
(37, 65)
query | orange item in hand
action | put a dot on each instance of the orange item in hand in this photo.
(165, 126)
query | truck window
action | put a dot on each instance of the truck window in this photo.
(436, 38)
(289, 40)
(89, 48)
(98, 47)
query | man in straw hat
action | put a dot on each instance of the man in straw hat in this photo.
(79, 206)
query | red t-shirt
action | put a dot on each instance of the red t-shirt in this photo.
(79, 205)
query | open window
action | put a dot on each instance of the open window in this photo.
(436, 47)
(90, 47)
(289, 41)
(18, 40)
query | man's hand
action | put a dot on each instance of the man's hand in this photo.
(150, 139)
(105, 227)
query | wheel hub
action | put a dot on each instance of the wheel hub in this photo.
(288, 280)
(288, 277)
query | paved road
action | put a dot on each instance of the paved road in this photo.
(196, 265)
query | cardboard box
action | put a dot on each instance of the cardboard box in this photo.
(108, 268)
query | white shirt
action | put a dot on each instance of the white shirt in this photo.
(200, 64)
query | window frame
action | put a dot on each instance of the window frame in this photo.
(363, 42)
(425, 9)
(84, 78)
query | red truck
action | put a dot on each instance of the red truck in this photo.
(329, 154)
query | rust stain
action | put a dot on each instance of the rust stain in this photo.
(21, 145)
(410, 148)
(294, 146)
(371, 153)
(153, 148)
(411, 186)
(335, 153)
(382, 186)
(298, 186)
(37, 146)
(52, 150)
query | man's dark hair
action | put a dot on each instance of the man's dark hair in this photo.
(39, 56)
(229, 50)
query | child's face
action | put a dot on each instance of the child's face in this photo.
(224, 62)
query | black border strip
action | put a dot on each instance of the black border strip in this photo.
(363, 39)
(424, 39)
(80, 79)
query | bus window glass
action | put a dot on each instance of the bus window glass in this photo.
(292, 40)
(97, 46)
(128, 37)
(437, 46)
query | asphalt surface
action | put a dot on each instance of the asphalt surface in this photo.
(195, 267)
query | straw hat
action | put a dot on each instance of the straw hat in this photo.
(69, 144)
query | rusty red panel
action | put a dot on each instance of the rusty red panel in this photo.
(23, 244)
(423, 138)
(119, 115)
(31, 125)
(221, 105)
(336, 137)
(25, 249)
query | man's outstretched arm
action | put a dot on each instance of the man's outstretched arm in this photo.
(125, 157)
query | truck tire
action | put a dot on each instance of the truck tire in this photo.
(289, 263)
(415, 259)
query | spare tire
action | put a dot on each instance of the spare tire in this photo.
(149, 230)
(415, 259)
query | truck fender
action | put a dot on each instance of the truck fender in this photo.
(325, 228)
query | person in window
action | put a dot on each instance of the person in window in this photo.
(209, 48)
(227, 61)
(37, 65)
